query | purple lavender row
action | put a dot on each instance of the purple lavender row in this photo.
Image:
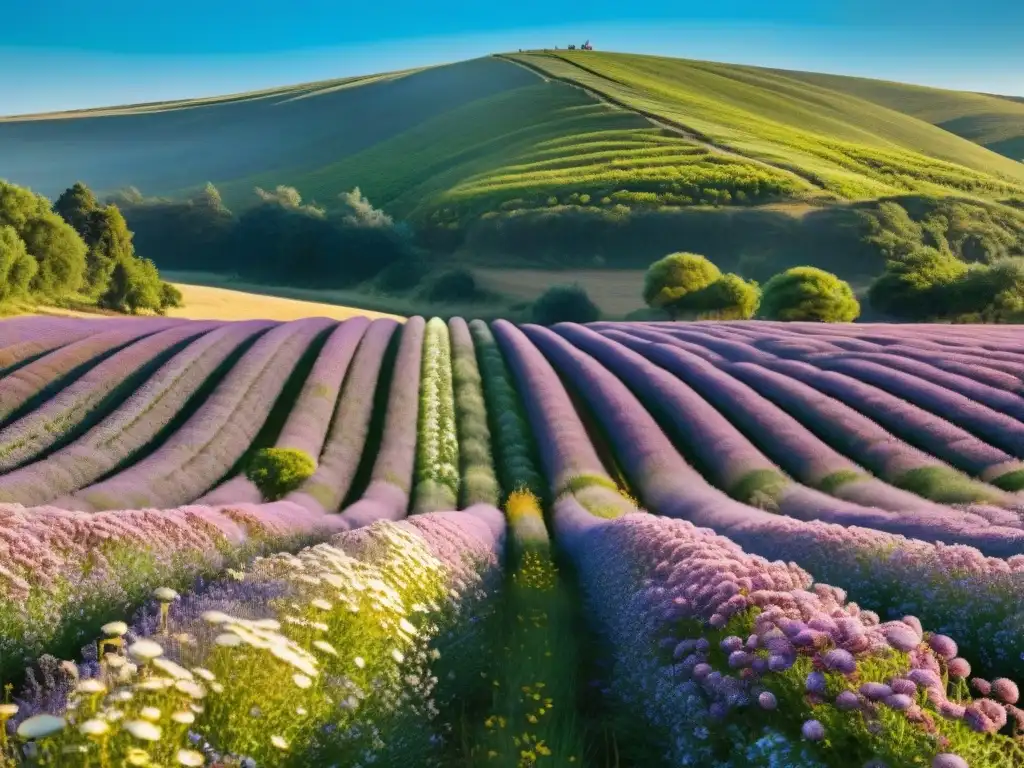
(620, 411)
(387, 495)
(937, 435)
(216, 436)
(788, 442)
(65, 573)
(705, 637)
(941, 438)
(310, 417)
(953, 588)
(992, 397)
(864, 441)
(19, 387)
(941, 338)
(65, 330)
(349, 429)
(1002, 430)
(41, 339)
(131, 426)
(39, 429)
(567, 455)
(972, 364)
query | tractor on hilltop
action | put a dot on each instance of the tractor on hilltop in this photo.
(585, 47)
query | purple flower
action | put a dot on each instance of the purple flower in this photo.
(767, 700)
(959, 668)
(1005, 690)
(847, 701)
(813, 730)
(943, 646)
(899, 701)
(839, 660)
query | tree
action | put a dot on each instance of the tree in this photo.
(76, 205)
(728, 298)
(919, 286)
(565, 304)
(134, 285)
(17, 267)
(58, 250)
(671, 279)
(809, 293)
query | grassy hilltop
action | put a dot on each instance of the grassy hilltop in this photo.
(582, 160)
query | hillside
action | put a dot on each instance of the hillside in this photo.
(576, 160)
(994, 122)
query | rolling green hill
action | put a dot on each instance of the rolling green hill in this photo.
(994, 122)
(581, 160)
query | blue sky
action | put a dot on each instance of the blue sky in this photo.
(67, 55)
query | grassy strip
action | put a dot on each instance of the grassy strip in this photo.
(437, 449)
(479, 482)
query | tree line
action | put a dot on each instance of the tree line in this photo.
(280, 239)
(74, 249)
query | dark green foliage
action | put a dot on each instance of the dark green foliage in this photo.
(279, 240)
(564, 304)
(56, 247)
(809, 294)
(278, 471)
(918, 286)
(730, 297)
(760, 488)
(75, 206)
(17, 267)
(673, 278)
(945, 485)
(831, 483)
(515, 452)
(453, 285)
(170, 296)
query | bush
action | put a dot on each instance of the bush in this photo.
(919, 286)
(170, 296)
(279, 471)
(672, 278)
(809, 293)
(453, 285)
(565, 304)
(17, 267)
(728, 298)
(58, 250)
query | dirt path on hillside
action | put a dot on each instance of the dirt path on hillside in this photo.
(657, 120)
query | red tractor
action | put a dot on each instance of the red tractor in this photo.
(587, 46)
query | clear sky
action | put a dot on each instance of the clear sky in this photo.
(65, 54)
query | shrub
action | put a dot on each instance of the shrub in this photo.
(809, 293)
(17, 267)
(279, 471)
(918, 286)
(728, 298)
(672, 278)
(453, 285)
(565, 304)
(170, 296)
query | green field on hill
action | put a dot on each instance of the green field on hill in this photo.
(577, 160)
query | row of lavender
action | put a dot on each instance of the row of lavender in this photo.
(738, 660)
(386, 576)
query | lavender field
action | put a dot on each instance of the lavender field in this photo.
(356, 543)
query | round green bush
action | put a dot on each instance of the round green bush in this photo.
(811, 294)
(279, 471)
(670, 279)
(565, 304)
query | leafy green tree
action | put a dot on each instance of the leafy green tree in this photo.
(920, 286)
(279, 471)
(170, 296)
(809, 293)
(52, 242)
(728, 298)
(671, 279)
(17, 267)
(76, 205)
(990, 293)
(565, 304)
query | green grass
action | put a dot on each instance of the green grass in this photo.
(994, 122)
(847, 147)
